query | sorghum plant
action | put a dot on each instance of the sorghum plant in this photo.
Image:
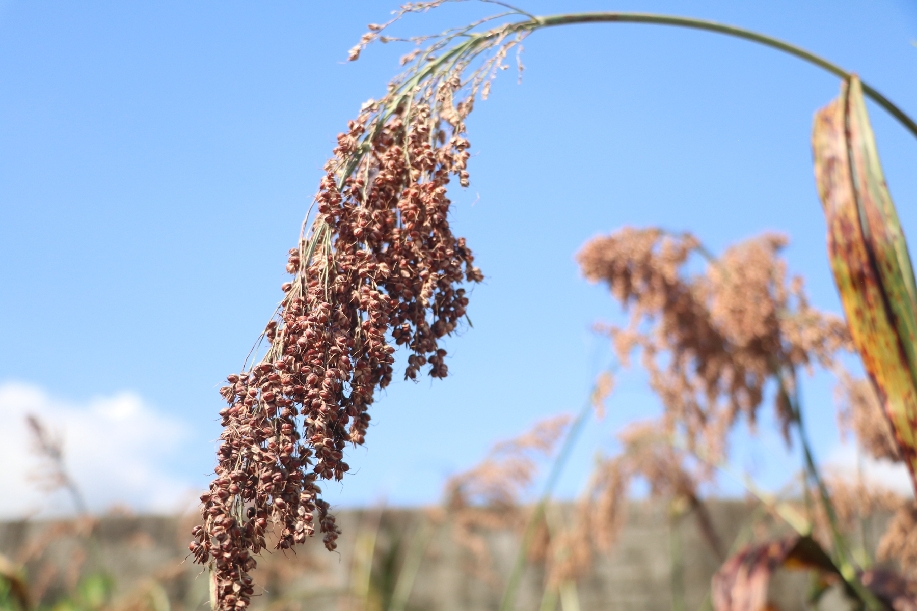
(714, 359)
(377, 266)
(712, 342)
(718, 347)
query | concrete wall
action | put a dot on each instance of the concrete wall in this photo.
(655, 565)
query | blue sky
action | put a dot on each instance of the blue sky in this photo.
(157, 158)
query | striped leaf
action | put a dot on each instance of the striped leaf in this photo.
(869, 258)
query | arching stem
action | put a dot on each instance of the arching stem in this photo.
(727, 30)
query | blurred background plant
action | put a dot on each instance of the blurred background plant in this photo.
(714, 332)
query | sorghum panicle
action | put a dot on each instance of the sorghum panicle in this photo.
(381, 261)
(712, 342)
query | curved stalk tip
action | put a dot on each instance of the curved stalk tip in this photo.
(539, 22)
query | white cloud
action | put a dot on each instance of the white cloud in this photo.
(115, 448)
(847, 461)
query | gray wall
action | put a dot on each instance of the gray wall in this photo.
(657, 564)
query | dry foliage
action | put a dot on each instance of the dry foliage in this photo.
(855, 499)
(742, 582)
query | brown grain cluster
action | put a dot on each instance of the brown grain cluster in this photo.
(380, 262)
(500, 480)
(861, 412)
(379, 268)
(712, 342)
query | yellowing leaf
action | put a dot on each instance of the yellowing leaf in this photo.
(869, 259)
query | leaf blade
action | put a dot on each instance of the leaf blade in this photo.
(869, 259)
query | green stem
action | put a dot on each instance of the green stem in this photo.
(508, 601)
(468, 47)
(411, 567)
(785, 512)
(676, 561)
(363, 554)
(842, 550)
(798, 523)
(549, 599)
(569, 597)
(727, 30)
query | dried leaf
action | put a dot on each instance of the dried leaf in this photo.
(741, 583)
(18, 588)
(870, 261)
(895, 591)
